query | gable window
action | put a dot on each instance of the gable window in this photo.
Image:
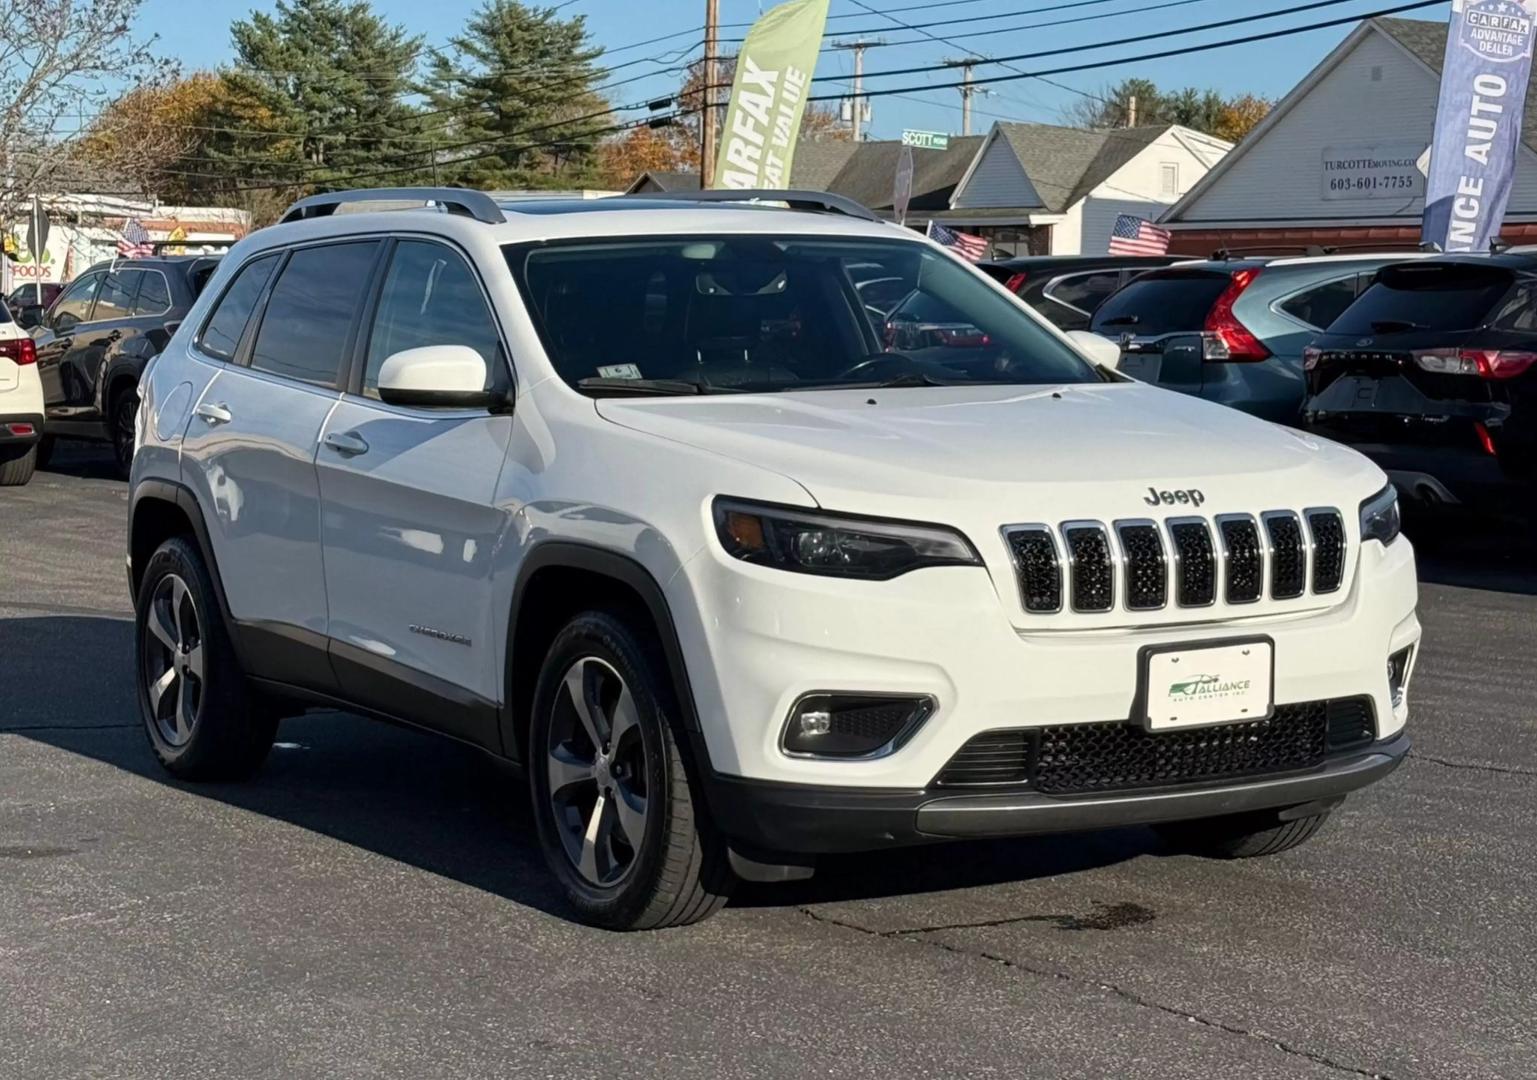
(1170, 184)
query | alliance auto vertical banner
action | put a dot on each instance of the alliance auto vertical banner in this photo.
(1478, 122)
(768, 96)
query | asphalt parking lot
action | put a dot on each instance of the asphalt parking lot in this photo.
(373, 905)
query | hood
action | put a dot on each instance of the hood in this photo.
(1031, 453)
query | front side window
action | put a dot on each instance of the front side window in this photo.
(430, 297)
(306, 329)
(75, 305)
(222, 332)
(747, 313)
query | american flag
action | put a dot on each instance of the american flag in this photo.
(133, 243)
(969, 247)
(1138, 236)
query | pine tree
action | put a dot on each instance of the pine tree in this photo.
(517, 76)
(321, 87)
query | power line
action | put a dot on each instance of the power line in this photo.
(1143, 57)
(951, 21)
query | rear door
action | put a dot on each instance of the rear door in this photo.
(409, 526)
(250, 447)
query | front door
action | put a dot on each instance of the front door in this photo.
(250, 447)
(408, 523)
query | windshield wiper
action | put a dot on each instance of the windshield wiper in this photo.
(1396, 326)
(1122, 320)
(907, 378)
(650, 387)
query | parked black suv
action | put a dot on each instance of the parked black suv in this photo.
(1432, 373)
(97, 337)
(1068, 288)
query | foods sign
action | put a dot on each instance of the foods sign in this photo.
(1372, 171)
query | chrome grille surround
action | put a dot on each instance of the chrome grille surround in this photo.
(1141, 565)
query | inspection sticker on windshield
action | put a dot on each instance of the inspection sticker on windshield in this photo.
(1195, 686)
(619, 371)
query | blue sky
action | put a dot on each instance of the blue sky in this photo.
(196, 33)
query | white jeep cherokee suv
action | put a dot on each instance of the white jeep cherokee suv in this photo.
(642, 495)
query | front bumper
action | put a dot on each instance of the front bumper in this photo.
(10, 423)
(778, 820)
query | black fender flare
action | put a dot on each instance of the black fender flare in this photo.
(606, 563)
(154, 489)
(117, 367)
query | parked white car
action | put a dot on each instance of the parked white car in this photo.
(21, 402)
(639, 494)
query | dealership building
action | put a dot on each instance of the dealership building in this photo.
(1340, 160)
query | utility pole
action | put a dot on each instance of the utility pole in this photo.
(1131, 111)
(707, 117)
(856, 103)
(967, 90)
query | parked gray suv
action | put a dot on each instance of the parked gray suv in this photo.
(1232, 330)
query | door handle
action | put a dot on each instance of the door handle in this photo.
(214, 413)
(347, 443)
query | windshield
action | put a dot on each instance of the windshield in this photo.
(1426, 296)
(752, 314)
(1163, 302)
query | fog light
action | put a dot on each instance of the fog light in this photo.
(844, 725)
(1398, 675)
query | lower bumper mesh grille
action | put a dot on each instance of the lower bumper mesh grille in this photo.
(1081, 759)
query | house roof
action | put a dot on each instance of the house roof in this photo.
(653, 180)
(1427, 42)
(1065, 164)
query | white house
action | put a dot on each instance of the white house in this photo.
(1338, 160)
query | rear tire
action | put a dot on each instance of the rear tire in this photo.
(202, 721)
(120, 421)
(622, 826)
(17, 465)
(1242, 836)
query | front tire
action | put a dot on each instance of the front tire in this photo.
(1241, 836)
(201, 720)
(620, 823)
(17, 465)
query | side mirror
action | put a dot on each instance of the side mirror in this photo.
(436, 376)
(30, 316)
(1101, 350)
(64, 322)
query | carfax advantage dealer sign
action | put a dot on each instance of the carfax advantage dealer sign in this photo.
(1478, 121)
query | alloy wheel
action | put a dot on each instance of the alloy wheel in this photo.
(174, 660)
(123, 428)
(598, 770)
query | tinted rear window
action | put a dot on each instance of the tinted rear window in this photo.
(1426, 296)
(1168, 302)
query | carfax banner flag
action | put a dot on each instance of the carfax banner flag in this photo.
(1478, 121)
(768, 96)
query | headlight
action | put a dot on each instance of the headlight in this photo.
(1379, 516)
(810, 542)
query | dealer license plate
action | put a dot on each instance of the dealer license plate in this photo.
(1143, 367)
(1195, 686)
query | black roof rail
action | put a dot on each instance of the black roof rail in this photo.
(1225, 253)
(157, 246)
(466, 202)
(794, 198)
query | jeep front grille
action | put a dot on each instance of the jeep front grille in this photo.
(1081, 759)
(1187, 562)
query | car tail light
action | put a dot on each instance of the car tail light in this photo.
(1016, 282)
(1484, 438)
(20, 429)
(21, 350)
(1485, 363)
(1230, 339)
(1310, 357)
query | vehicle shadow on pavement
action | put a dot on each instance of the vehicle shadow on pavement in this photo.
(427, 801)
(1474, 553)
(88, 460)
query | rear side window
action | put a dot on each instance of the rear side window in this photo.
(154, 295)
(1166, 302)
(1322, 304)
(307, 326)
(1085, 292)
(221, 333)
(1429, 296)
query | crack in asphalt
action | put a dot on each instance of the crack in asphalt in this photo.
(1130, 996)
(1507, 770)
